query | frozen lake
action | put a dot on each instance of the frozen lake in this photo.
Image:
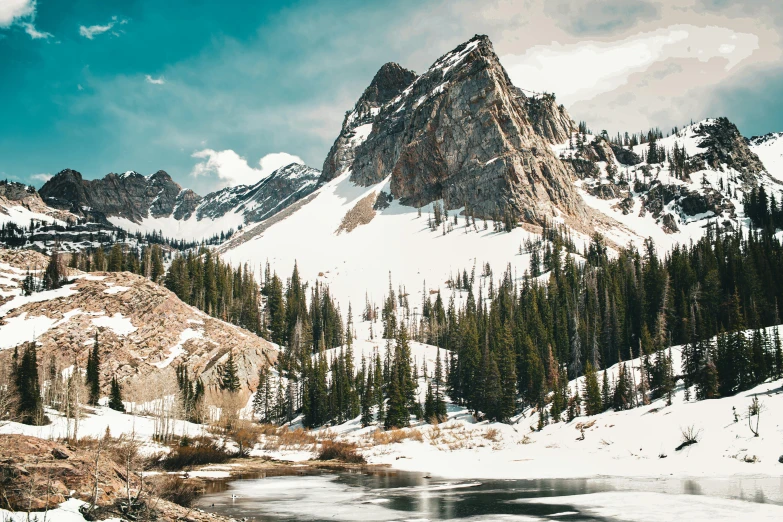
(390, 495)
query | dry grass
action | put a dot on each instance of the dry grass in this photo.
(277, 438)
(584, 425)
(361, 214)
(492, 434)
(395, 436)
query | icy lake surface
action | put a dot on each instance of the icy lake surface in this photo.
(408, 496)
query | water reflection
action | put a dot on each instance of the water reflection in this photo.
(308, 494)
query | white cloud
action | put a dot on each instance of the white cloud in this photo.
(276, 160)
(41, 177)
(94, 30)
(79, 86)
(34, 33)
(583, 70)
(155, 81)
(234, 169)
(21, 12)
(13, 10)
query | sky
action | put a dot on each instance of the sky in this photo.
(221, 93)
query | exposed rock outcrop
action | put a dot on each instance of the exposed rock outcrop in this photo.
(625, 156)
(130, 195)
(462, 132)
(724, 145)
(549, 119)
(143, 329)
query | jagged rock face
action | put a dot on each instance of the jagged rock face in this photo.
(549, 119)
(130, 195)
(387, 84)
(625, 156)
(462, 132)
(725, 145)
(283, 187)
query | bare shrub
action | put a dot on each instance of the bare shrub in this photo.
(754, 410)
(195, 452)
(178, 490)
(690, 435)
(342, 451)
(244, 435)
(225, 408)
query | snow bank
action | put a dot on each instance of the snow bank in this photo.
(67, 512)
(118, 323)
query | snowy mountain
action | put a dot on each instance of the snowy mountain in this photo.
(156, 203)
(398, 163)
(462, 133)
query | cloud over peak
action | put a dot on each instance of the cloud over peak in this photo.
(234, 170)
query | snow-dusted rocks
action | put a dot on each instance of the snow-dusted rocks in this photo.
(156, 203)
(142, 328)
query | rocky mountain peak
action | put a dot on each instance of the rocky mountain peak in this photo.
(723, 144)
(462, 132)
(387, 83)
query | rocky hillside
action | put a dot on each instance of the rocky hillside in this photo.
(143, 329)
(461, 132)
(156, 203)
(698, 180)
(20, 203)
(130, 195)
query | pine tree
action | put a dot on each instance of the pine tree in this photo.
(429, 405)
(93, 374)
(606, 392)
(591, 391)
(368, 400)
(229, 378)
(115, 396)
(25, 374)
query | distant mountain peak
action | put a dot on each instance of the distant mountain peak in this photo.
(463, 133)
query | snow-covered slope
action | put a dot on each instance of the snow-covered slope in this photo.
(769, 148)
(396, 244)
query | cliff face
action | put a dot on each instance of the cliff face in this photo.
(462, 132)
(130, 195)
(387, 84)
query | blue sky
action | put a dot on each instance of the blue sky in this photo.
(206, 90)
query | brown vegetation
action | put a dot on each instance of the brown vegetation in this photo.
(361, 214)
(342, 451)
